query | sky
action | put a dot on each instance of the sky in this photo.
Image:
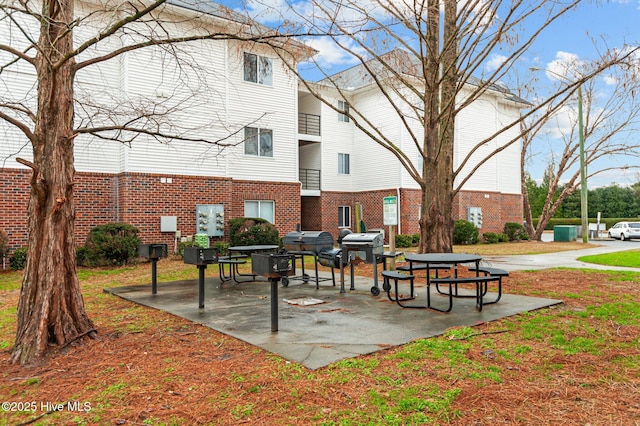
(611, 24)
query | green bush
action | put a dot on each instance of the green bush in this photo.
(404, 240)
(4, 244)
(19, 259)
(248, 231)
(494, 238)
(183, 244)
(81, 255)
(221, 247)
(515, 231)
(112, 244)
(465, 232)
(415, 239)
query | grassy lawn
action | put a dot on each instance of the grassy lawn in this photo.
(629, 258)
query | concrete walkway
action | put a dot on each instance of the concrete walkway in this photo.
(565, 259)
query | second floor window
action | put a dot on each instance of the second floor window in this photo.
(258, 142)
(343, 164)
(344, 107)
(258, 69)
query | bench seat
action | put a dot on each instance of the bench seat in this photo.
(481, 283)
(233, 262)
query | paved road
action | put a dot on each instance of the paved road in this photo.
(564, 259)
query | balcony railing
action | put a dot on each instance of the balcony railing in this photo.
(308, 124)
(310, 178)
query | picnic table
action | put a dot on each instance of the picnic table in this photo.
(438, 261)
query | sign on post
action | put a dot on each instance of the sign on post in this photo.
(390, 210)
(390, 218)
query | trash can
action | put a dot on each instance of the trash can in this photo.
(565, 233)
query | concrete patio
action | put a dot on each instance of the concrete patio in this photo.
(344, 325)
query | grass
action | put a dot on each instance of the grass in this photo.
(629, 258)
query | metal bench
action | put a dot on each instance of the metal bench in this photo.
(495, 272)
(481, 283)
(397, 276)
(233, 262)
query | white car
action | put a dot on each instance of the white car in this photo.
(625, 230)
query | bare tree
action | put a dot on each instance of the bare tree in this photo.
(611, 111)
(437, 68)
(58, 40)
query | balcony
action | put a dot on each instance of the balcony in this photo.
(310, 180)
(308, 124)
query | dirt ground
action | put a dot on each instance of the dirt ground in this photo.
(148, 367)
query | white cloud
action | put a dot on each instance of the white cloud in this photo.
(495, 62)
(330, 55)
(564, 66)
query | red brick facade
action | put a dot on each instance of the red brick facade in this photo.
(497, 209)
(141, 199)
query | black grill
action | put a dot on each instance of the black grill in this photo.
(272, 266)
(318, 244)
(308, 241)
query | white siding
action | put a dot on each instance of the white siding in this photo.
(205, 93)
(271, 107)
(337, 137)
(481, 121)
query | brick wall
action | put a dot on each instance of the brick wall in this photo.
(141, 199)
(497, 209)
(14, 201)
(311, 214)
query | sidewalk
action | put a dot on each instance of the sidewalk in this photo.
(566, 259)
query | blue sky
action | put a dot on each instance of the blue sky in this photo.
(611, 24)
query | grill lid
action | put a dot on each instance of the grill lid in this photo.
(313, 241)
(363, 240)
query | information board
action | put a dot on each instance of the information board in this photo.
(390, 210)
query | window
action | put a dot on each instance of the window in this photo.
(262, 209)
(344, 217)
(343, 164)
(258, 69)
(344, 107)
(258, 142)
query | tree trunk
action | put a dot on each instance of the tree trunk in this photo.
(436, 221)
(51, 309)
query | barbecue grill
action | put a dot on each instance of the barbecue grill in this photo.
(201, 257)
(153, 252)
(318, 244)
(366, 246)
(274, 267)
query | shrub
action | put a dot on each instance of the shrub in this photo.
(183, 244)
(112, 244)
(221, 247)
(404, 240)
(415, 239)
(515, 231)
(465, 232)
(19, 259)
(494, 238)
(247, 231)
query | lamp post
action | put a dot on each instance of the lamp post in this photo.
(584, 211)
